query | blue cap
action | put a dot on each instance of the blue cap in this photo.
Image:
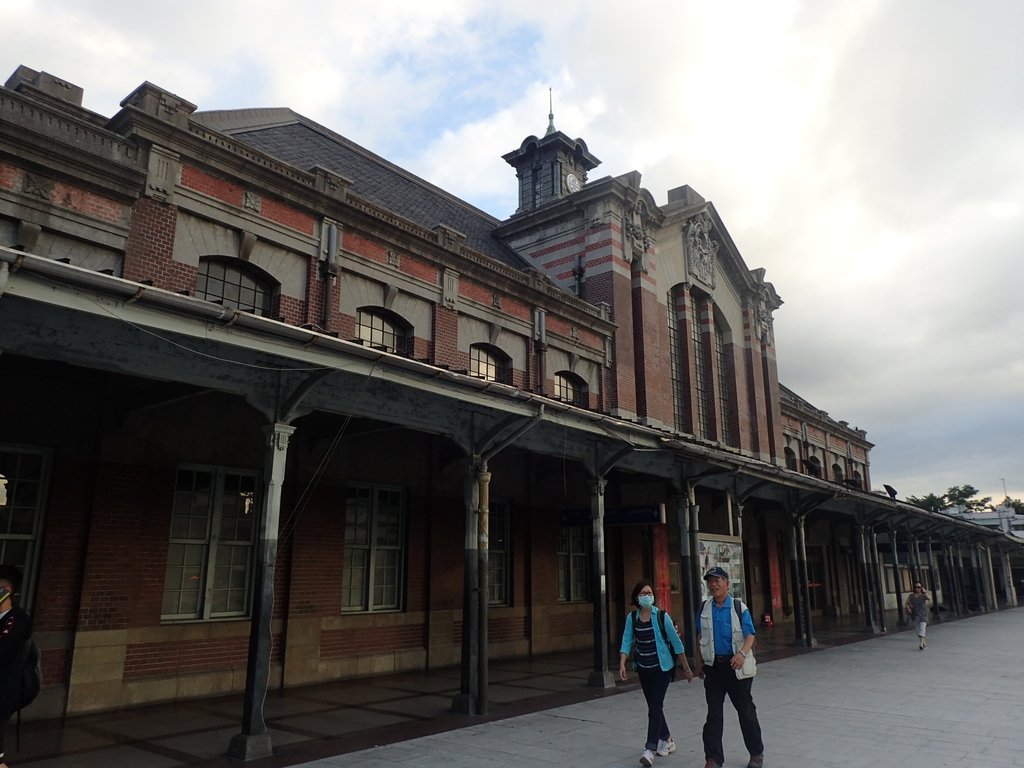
(716, 571)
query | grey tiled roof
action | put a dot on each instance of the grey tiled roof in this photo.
(300, 142)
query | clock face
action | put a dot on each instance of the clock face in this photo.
(572, 183)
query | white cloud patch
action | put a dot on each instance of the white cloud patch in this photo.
(867, 154)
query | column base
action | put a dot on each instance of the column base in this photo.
(603, 679)
(245, 746)
(462, 704)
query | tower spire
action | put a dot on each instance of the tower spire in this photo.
(551, 115)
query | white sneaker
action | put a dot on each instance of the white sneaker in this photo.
(647, 758)
(666, 748)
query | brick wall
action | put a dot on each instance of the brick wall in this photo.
(614, 289)
(358, 641)
(499, 629)
(221, 189)
(176, 657)
(287, 215)
(127, 549)
(150, 246)
(446, 338)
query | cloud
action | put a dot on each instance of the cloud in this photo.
(868, 155)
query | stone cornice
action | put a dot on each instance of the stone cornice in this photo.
(60, 143)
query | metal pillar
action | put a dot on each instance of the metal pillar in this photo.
(990, 576)
(696, 576)
(896, 577)
(687, 566)
(796, 588)
(876, 569)
(254, 741)
(483, 590)
(914, 549)
(1011, 588)
(805, 588)
(954, 580)
(600, 677)
(464, 702)
(980, 588)
(870, 625)
(933, 576)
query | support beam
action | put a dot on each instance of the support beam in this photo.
(876, 572)
(805, 583)
(870, 624)
(687, 566)
(254, 740)
(896, 577)
(601, 676)
(483, 592)
(464, 702)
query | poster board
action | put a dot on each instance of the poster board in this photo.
(725, 552)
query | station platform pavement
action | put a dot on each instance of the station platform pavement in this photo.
(960, 702)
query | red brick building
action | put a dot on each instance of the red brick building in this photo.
(281, 412)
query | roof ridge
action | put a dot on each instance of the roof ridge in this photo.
(236, 121)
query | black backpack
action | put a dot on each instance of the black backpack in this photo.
(31, 674)
(664, 637)
(737, 605)
(30, 683)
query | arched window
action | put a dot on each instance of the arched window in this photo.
(813, 465)
(856, 480)
(383, 330)
(702, 392)
(237, 284)
(570, 388)
(790, 459)
(490, 363)
(837, 473)
(725, 386)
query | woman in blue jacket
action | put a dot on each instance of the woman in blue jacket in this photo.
(657, 643)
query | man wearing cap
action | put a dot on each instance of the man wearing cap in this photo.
(725, 637)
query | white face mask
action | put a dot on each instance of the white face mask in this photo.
(645, 601)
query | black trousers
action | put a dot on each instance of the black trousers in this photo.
(720, 681)
(654, 683)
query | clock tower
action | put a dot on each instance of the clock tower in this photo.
(549, 168)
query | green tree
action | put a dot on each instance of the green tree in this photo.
(1016, 504)
(931, 502)
(963, 496)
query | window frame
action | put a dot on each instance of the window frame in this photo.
(29, 563)
(211, 544)
(578, 554)
(264, 284)
(702, 388)
(499, 592)
(496, 359)
(578, 394)
(369, 586)
(392, 329)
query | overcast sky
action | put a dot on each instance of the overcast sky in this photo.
(869, 155)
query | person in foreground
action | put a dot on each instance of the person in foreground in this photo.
(917, 606)
(656, 640)
(15, 629)
(726, 638)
